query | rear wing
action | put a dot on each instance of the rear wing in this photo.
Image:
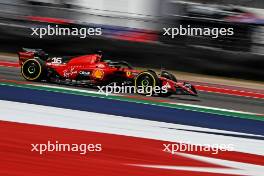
(28, 53)
(31, 50)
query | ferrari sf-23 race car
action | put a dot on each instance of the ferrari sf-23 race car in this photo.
(93, 70)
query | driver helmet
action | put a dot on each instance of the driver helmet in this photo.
(99, 53)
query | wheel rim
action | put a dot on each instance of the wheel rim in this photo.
(145, 82)
(31, 70)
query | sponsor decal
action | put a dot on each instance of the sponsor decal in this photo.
(68, 73)
(98, 74)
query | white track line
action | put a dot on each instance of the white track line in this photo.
(88, 121)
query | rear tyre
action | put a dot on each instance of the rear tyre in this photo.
(33, 69)
(145, 82)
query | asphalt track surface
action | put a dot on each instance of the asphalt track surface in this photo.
(204, 99)
(121, 149)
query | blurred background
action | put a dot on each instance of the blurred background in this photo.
(132, 31)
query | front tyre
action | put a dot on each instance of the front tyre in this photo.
(33, 69)
(145, 82)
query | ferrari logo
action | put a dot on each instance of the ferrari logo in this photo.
(128, 74)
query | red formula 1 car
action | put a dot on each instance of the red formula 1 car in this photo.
(93, 70)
